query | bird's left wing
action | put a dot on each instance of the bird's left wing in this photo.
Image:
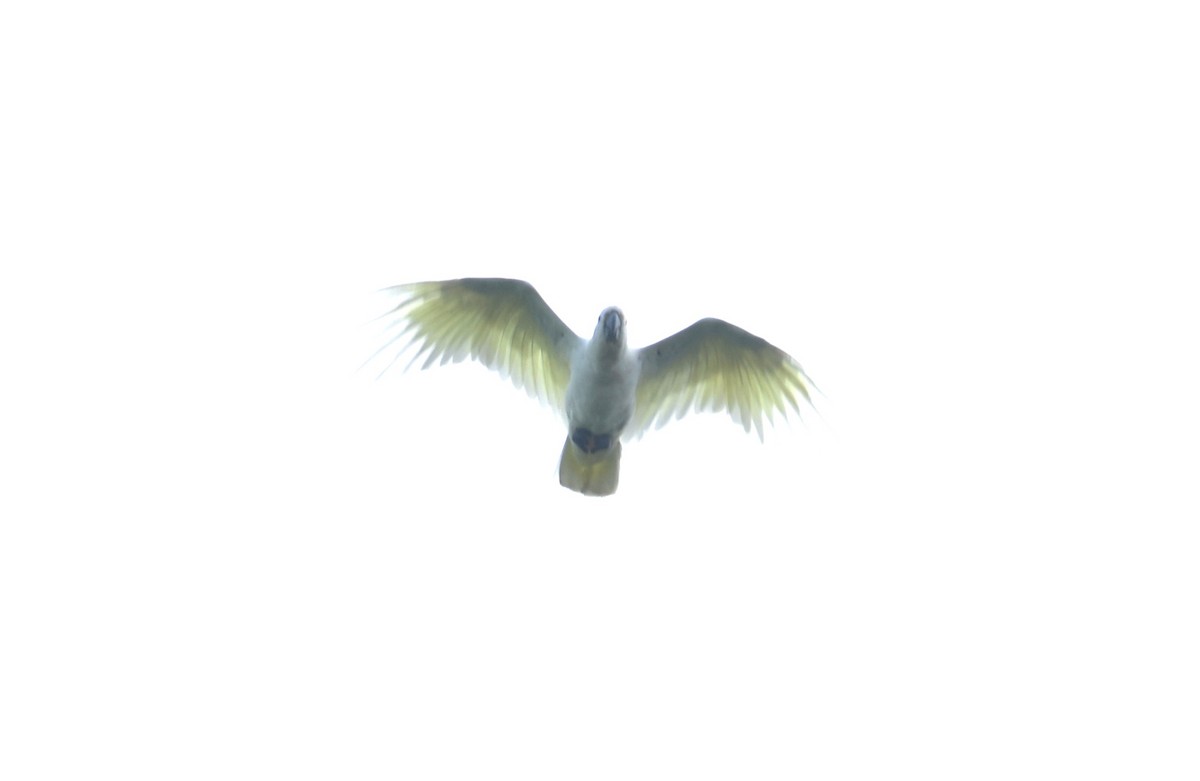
(713, 365)
(502, 323)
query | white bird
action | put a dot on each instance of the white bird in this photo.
(604, 389)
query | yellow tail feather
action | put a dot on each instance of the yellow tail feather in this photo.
(593, 474)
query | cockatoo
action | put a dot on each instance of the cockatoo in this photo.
(604, 389)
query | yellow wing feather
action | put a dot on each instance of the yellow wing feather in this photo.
(714, 366)
(502, 323)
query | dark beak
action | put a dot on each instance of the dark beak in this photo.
(612, 325)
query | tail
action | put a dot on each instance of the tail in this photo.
(593, 474)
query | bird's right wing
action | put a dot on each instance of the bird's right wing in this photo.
(502, 323)
(713, 365)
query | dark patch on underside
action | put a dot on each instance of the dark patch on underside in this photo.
(590, 442)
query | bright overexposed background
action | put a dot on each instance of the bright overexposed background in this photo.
(225, 552)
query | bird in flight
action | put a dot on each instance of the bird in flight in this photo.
(604, 389)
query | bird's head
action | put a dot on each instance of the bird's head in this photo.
(611, 326)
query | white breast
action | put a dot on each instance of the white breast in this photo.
(600, 393)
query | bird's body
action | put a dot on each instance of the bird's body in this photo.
(600, 403)
(603, 380)
(604, 389)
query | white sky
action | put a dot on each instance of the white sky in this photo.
(226, 554)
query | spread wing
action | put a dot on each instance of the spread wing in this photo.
(713, 365)
(502, 323)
